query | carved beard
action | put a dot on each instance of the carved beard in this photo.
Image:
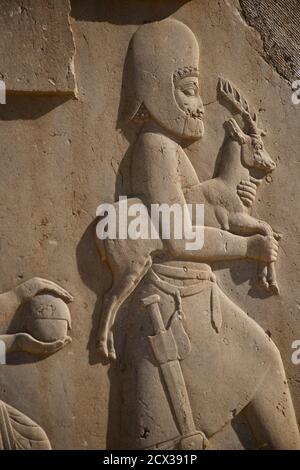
(193, 128)
(184, 127)
(180, 121)
(184, 124)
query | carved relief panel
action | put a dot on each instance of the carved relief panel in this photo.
(192, 360)
(183, 334)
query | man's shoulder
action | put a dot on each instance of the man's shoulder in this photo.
(155, 143)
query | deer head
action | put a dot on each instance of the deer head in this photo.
(253, 153)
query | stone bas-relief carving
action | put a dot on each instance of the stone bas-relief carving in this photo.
(191, 359)
(227, 198)
(18, 432)
(43, 325)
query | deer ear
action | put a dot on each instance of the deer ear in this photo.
(235, 131)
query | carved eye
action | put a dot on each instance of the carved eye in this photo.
(190, 90)
(258, 146)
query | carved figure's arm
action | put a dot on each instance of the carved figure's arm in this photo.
(162, 185)
(245, 225)
(23, 342)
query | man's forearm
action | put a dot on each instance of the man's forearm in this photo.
(218, 246)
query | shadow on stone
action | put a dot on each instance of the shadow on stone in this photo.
(96, 276)
(93, 273)
(29, 107)
(123, 11)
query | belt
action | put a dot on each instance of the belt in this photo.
(178, 292)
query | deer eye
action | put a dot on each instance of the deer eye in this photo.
(258, 146)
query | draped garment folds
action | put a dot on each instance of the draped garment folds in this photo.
(216, 344)
(18, 432)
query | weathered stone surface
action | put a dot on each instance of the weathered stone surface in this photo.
(37, 47)
(61, 158)
(278, 22)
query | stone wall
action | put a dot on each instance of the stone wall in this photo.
(66, 148)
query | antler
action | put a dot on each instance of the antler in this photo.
(240, 104)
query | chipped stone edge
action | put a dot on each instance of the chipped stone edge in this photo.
(237, 10)
(72, 93)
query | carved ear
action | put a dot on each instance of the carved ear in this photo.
(141, 115)
(235, 131)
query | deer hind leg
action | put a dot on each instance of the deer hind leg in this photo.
(271, 414)
(122, 287)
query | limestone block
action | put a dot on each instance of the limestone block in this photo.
(37, 47)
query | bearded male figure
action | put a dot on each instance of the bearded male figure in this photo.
(190, 355)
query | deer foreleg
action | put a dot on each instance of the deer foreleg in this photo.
(245, 224)
(267, 277)
(272, 279)
(262, 275)
(267, 274)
